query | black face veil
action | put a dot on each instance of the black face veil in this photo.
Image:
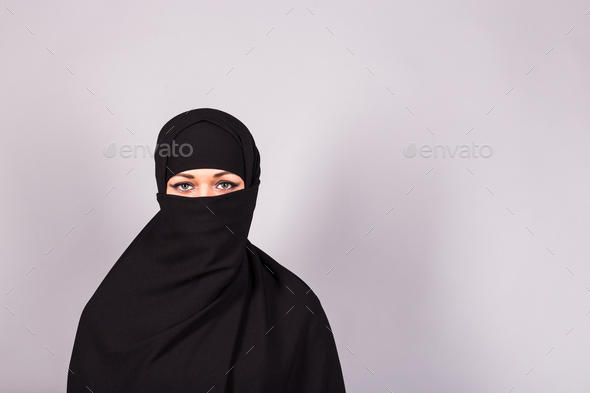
(192, 305)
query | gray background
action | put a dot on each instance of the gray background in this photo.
(467, 274)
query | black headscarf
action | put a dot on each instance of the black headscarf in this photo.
(193, 306)
(207, 145)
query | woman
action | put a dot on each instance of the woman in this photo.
(192, 305)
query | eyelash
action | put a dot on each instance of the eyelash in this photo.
(221, 182)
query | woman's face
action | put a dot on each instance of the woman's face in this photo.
(204, 183)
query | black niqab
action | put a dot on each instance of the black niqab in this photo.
(193, 306)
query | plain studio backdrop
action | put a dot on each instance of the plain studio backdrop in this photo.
(458, 272)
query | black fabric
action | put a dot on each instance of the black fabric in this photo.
(203, 145)
(193, 306)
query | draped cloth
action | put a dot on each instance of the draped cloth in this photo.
(193, 306)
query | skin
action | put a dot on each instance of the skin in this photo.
(204, 182)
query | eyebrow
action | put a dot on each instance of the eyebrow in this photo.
(219, 174)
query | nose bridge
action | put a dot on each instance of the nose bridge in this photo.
(205, 189)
